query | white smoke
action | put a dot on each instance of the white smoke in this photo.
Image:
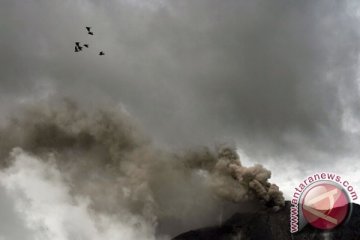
(44, 203)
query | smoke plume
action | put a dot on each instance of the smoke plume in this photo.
(103, 157)
(237, 183)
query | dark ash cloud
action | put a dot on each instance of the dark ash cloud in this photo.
(278, 78)
(101, 155)
(273, 75)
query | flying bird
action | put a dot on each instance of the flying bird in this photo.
(89, 32)
(77, 45)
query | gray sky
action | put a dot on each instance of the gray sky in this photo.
(278, 77)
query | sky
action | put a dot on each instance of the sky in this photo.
(279, 78)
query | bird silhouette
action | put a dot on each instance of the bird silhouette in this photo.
(89, 32)
(77, 45)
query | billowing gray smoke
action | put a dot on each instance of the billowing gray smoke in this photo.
(102, 155)
(234, 182)
(238, 183)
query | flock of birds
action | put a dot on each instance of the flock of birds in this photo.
(79, 47)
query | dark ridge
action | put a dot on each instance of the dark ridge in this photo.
(266, 225)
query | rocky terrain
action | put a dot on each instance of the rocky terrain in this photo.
(264, 225)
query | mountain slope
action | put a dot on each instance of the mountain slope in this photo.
(272, 226)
